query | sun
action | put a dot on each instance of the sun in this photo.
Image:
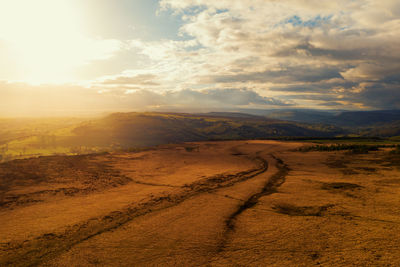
(46, 39)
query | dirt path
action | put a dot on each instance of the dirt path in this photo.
(334, 209)
(217, 199)
(241, 203)
(270, 187)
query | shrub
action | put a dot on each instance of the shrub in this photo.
(396, 150)
(353, 148)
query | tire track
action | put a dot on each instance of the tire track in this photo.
(155, 184)
(40, 249)
(269, 188)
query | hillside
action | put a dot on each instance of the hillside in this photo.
(22, 138)
(132, 130)
(349, 119)
(299, 115)
(365, 118)
(144, 129)
(382, 123)
(389, 129)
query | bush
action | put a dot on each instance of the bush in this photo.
(353, 148)
(396, 150)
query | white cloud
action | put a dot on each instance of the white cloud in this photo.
(295, 44)
(333, 52)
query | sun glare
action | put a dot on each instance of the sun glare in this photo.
(47, 40)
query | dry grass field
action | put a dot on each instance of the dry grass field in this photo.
(233, 203)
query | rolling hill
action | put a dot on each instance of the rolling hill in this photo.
(133, 130)
(350, 119)
(380, 123)
(21, 138)
(143, 129)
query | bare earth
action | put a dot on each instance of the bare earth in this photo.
(236, 203)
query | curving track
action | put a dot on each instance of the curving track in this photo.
(185, 224)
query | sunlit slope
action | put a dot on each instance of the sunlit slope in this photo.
(138, 129)
(29, 138)
(382, 123)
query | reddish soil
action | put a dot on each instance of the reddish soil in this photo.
(236, 203)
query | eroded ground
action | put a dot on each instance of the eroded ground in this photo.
(239, 203)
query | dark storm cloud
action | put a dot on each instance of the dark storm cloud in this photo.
(218, 97)
(307, 50)
(321, 87)
(381, 96)
(331, 104)
(289, 74)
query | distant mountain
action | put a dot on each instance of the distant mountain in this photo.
(20, 138)
(299, 115)
(383, 123)
(229, 115)
(378, 121)
(388, 129)
(365, 118)
(144, 129)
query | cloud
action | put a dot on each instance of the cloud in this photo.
(21, 99)
(221, 97)
(253, 52)
(139, 79)
(213, 99)
(286, 75)
(331, 104)
(319, 50)
(379, 95)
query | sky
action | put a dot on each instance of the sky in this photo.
(73, 56)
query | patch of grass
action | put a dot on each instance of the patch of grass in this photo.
(392, 159)
(293, 210)
(367, 169)
(396, 150)
(393, 181)
(191, 148)
(353, 148)
(340, 186)
(354, 140)
(134, 149)
(336, 163)
(349, 171)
